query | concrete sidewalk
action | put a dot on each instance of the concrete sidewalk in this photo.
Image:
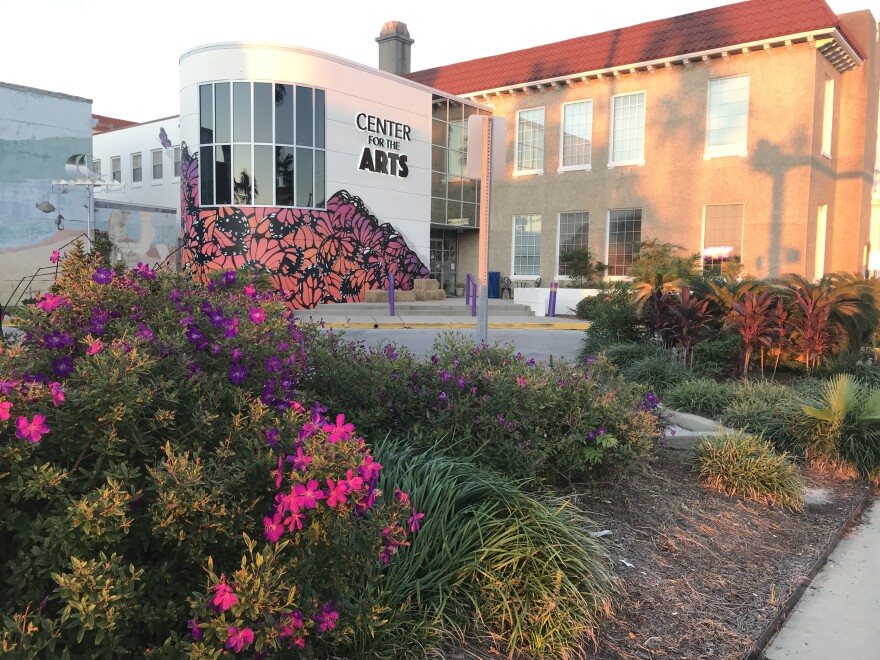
(426, 321)
(838, 618)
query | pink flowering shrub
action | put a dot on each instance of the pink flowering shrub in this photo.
(149, 431)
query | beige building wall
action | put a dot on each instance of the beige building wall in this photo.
(780, 181)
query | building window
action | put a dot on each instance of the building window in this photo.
(728, 121)
(827, 117)
(261, 144)
(722, 235)
(137, 169)
(156, 156)
(176, 162)
(624, 236)
(96, 166)
(628, 129)
(573, 232)
(821, 234)
(116, 168)
(577, 135)
(527, 245)
(454, 197)
(530, 141)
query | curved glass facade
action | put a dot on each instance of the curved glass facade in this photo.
(262, 144)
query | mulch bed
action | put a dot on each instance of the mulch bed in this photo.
(704, 574)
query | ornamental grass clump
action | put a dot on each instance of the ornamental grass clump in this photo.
(702, 396)
(746, 465)
(162, 492)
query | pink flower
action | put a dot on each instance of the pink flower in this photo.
(520, 381)
(5, 407)
(326, 618)
(279, 474)
(336, 492)
(414, 521)
(295, 520)
(300, 461)
(50, 302)
(95, 347)
(339, 431)
(31, 431)
(237, 639)
(354, 483)
(257, 315)
(274, 528)
(370, 468)
(401, 497)
(224, 597)
(307, 495)
(250, 290)
(57, 393)
(54, 257)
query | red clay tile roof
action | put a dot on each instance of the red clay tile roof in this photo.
(744, 22)
(105, 124)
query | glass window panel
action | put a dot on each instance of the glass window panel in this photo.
(284, 114)
(241, 162)
(116, 168)
(438, 159)
(320, 177)
(96, 166)
(304, 130)
(438, 132)
(156, 156)
(439, 109)
(469, 213)
(262, 112)
(222, 113)
(206, 114)
(469, 190)
(577, 130)
(241, 113)
(177, 162)
(438, 210)
(624, 235)
(223, 173)
(206, 175)
(305, 190)
(264, 174)
(284, 176)
(527, 245)
(438, 184)
(530, 140)
(628, 128)
(722, 235)
(728, 114)
(320, 120)
(137, 169)
(573, 234)
(456, 112)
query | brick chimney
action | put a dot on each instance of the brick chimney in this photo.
(394, 48)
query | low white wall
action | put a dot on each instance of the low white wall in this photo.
(538, 299)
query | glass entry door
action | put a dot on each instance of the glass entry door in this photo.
(444, 259)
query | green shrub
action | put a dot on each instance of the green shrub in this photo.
(657, 373)
(717, 357)
(622, 355)
(701, 397)
(520, 567)
(763, 408)
(613, 319)
(746, 465)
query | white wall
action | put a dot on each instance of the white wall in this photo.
(143, 139)
(351, 88)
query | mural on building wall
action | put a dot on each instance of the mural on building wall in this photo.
(312, 255)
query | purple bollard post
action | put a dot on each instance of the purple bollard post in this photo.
(474, 297)
(551, 311)
(391, 294)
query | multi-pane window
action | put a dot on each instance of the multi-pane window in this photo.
(261, 144)
(96, 166)
(827, 117)
(116, 168)
(577, 134)
(530, 140)
(722, 235)
(574, 230)
(628, 129)
(137, 168)
(156, 155)
(728, 119)
(624, 236)
(454, 197)
(176, 162)
(527, 245)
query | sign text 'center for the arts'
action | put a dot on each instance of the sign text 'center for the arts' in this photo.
(384, 141)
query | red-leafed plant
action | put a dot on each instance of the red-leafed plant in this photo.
(757, 321)
(811, 332)
(685, 319)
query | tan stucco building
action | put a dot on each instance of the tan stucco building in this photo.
(743, 132)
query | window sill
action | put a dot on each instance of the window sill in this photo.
(709, 155)
(576, 168)
(627, 163)
(157, 182)
(825, 155)
(518, 173)
(137, 184)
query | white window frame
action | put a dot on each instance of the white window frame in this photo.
(723, 150)
(559, 215)
(161, 164)
(96, 166)
(513, 275)
(140, 156)
(176, 162)
(641, 209)
(827, 117)
(569, 168)
(516, 168)
(114, 160)
(637, 161)
(742, 237)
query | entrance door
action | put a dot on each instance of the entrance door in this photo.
(444, 258)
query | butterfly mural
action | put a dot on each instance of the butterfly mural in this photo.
(313, 256)
(163, 138)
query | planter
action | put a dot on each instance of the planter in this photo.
(459, 291)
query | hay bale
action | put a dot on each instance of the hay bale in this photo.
(430, 295)
(375, 296)
(426, 285)
(403, 296)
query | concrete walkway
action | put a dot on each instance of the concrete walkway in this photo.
(839, 615)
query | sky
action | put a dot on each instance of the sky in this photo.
(124, 55)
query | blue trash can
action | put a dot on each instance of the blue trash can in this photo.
(494, 284)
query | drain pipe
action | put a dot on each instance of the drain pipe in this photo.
(390, 294)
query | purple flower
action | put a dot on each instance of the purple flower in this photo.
(57, 340)
(231, 328)
(32, 431)
(445, 376)
(144, 271)
(194, 630)
(415, 521)
(216, 318)
(238, 374)
(103, 276)
(326, 618)
(442, 396)
(308, 495)
(63, 367)
(271, 436)
(257, 315)
(339, 431)
(144, 332)
(273, 364)
(300, 461)
(530, 362)
(229, 278)
(224, 597)
(57, 393)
